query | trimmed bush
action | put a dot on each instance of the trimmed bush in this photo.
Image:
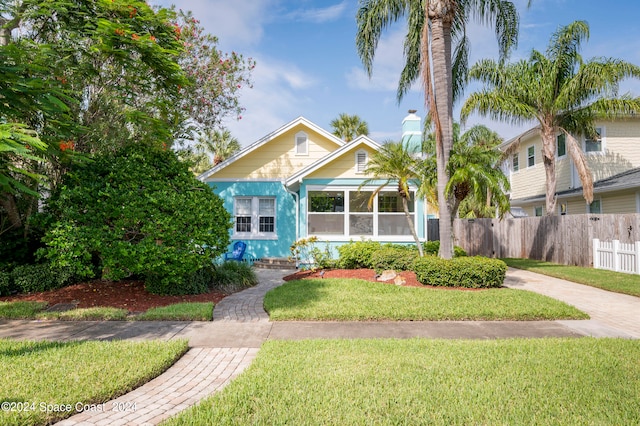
(233, 276)
(398, 258)
(433, 247)
(469, 272)
(40, 277)
(357, 254)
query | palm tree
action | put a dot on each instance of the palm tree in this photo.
(348, 127)
(219, 143)
(395, 163)
(433, 27)
(561, 91)
(477, 185)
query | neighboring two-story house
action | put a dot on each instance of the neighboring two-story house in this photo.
(614, 160)
(301, 181)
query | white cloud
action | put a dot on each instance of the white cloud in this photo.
(235, 24)
(275, 99)
(320, 15)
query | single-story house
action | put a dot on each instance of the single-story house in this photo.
(301, 181)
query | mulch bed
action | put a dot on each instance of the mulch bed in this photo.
(129, 295)
(369, 275)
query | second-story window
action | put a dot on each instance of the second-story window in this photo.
(531, 156)
(516, 162)
(561, 145)
(594, 144)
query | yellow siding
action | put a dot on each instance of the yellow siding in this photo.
(277, 158)
(621, 142)
(343, 166)
(623, 202)
(615, 203)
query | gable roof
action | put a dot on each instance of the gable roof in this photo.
(268, 138)
(354, 144)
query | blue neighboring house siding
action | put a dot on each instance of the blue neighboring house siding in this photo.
(274, 244)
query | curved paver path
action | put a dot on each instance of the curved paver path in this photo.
(246, 306)
(200, 372)
(618, 311)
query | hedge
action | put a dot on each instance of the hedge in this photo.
(397, 258)
(469, 272)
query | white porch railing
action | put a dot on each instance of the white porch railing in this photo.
(616, 256)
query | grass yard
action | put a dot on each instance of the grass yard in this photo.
(434, 382)
(600, 278)
(179, 312)
(190, 311)
(46, 374)
(359, 300)
(21, 310)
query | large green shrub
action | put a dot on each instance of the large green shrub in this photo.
(138, 211)
(397, 258)
(433, 247)
(233, 276)
(469, 272)
(357, 254)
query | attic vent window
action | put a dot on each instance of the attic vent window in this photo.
(302, 144)
(361, 161)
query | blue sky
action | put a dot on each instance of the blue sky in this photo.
(307, 64)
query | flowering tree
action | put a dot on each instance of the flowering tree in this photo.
(216, 77)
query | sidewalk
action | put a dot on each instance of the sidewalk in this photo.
(222, 349)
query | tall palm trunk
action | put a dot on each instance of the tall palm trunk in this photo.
(440, 13)
(549, 161)
(405, 207)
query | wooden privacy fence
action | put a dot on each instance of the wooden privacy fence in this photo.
(560, 239)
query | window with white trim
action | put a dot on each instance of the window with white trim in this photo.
(352, 213)
(537, 211)
(254, 217)
(594, 145)
(515, 162)
(595, 207)
(561, 145)
(302, 143)
(361, 161)
(531, 156)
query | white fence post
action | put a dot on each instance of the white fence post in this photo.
(596, 253)
(637, 257)
(616, 255)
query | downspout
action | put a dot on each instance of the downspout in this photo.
(297, 198)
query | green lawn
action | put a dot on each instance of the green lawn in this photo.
(600, 278)
(358, 300)
(176, 312)
(43, 374)
(436, 382)
(179, 312)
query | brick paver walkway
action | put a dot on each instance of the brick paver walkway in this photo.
(198, 374)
